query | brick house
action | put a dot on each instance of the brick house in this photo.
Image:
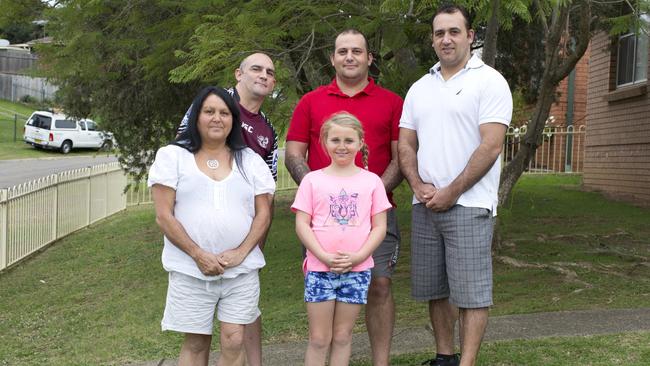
(617, 145)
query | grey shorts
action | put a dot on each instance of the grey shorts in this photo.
(191, 302)
(385, 256)
(451, 255)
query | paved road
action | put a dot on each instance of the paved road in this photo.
(13, 172)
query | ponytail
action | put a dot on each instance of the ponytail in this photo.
(364, 155)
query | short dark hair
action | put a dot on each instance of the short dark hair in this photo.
(451, 9)
(190, 139)
(351, 31)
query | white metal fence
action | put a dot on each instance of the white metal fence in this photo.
(562, 149)
(36, 213)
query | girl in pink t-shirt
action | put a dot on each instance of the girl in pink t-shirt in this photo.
(340, 219)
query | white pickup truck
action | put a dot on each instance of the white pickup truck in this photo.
(56, 131)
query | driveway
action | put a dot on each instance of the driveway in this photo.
(14, 172)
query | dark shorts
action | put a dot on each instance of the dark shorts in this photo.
(451, 255)
(385, 256)
(350, 287)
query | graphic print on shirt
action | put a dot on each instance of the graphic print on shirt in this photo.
(343, 210)
(263, 141)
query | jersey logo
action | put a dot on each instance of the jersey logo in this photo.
(263, 141)
(246, 127)
(343, 210)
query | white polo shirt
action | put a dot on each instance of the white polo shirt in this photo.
(446, 116)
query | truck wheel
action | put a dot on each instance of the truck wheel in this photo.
(66, 146)
(106, 146)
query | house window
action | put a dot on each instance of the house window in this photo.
(633, 56)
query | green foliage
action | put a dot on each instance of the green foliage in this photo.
(521, 58)
(299, 36)
(631, 18)
(16, 19)
(136, 65)
(112, 60)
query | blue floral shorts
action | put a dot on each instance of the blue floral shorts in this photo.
(350, 287)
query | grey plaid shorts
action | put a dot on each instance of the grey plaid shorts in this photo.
(451, 255)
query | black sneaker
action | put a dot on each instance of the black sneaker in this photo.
(439, 361)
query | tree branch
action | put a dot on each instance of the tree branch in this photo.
(582, 42)
(542, 16)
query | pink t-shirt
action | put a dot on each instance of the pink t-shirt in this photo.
(341, 210)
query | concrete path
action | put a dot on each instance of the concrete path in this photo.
(529, 326)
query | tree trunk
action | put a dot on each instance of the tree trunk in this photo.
(491, 35)
(527, 149)
(558, 64)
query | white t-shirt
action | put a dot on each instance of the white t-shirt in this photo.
(446, 116)
(217, 215)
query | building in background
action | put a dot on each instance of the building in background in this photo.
(617, 145)
(17, 83)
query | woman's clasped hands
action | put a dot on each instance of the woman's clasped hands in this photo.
(212, 264)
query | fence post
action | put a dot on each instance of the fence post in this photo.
(89, 198)
(568, 163)
(55, 219)
(105, 190)
(3, 228)
(15, 125)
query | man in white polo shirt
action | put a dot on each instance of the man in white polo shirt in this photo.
(451, 134)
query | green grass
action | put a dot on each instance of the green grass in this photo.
(621, 349)
(8, 148)
(553, 225)
(96, 297)
(21, 150)
(8, 109)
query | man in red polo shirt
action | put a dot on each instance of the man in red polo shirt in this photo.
(379, 111)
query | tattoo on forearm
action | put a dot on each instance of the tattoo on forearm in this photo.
(392, 176)
(297, 168)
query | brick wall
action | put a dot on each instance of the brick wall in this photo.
(617, 144)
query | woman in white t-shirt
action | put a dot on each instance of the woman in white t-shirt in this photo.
(211, 197)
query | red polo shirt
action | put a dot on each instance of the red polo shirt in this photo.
(378, 109)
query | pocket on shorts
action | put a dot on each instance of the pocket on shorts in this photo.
(481, 212)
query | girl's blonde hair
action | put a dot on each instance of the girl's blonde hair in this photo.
(345, 119)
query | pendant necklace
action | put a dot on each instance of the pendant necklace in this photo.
(212, 164)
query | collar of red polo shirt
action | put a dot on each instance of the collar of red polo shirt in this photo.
(333, 88)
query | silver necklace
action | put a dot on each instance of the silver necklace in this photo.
(212, 164)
